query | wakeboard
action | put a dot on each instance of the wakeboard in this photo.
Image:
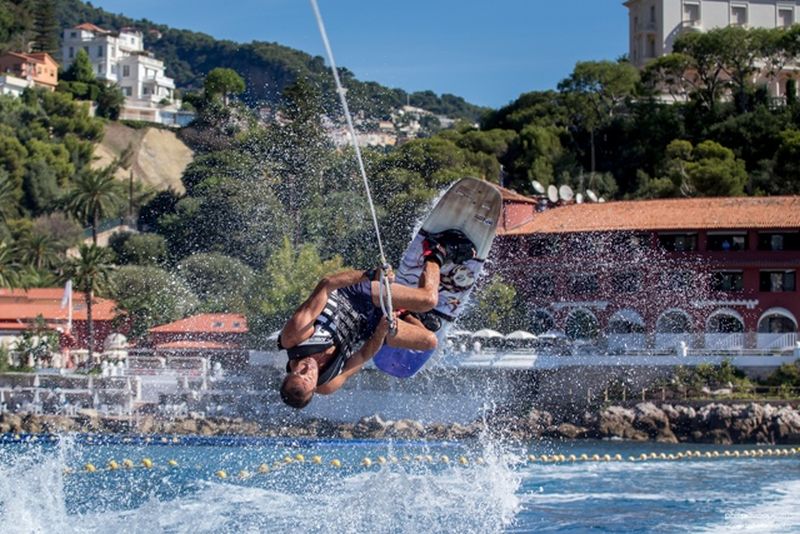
(473, 207)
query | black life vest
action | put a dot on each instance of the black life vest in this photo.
(339, 325)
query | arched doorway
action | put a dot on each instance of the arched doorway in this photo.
(724, 330)
(777, 329)
(581, 325)
(673, 327)
(625, 331)
(540, 321)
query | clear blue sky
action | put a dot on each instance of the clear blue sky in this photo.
(488, 51)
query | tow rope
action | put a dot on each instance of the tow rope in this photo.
(384, 283)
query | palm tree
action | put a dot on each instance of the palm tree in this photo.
(95, 194)
(9, 268)
(91, 273)
(8, 197)
(39, 250)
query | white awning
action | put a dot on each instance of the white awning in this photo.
(487, 333)
(520, 334)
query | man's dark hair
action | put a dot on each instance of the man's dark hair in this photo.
(293, 394)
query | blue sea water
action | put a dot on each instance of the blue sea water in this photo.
(478, 486)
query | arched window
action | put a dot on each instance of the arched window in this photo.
(626, 321)
(581, 324)
(725, 322)
(777, 321)
(540, 321)
(674, 322)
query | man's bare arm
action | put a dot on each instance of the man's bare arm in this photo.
(369, 349)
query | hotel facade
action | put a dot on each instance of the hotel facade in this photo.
(716, 274)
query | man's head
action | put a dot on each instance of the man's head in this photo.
(298, 387)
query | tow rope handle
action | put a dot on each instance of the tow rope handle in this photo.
(385, 297)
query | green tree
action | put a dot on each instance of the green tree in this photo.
(91, 274)
(709, 169)
(495, 307)
(81, 69)
(95, 194)
(38, 250)
(223, 82)
(220, 282)
(9, 268)
(109, 101)
(787, 164)
(150, 296)
(45, 27)
(37, 343)
(139, 249)
(286, 280)
(8, 198)
(706, 54)
(595, 90)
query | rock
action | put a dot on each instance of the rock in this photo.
(653, 421)
(406, 429)
(616, 421)
(12, 423)
(570, 431)
(785, 425)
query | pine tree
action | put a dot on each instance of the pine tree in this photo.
(45, 27)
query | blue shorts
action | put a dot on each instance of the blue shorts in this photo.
(360, 297)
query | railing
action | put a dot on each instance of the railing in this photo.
(724, 341)
(776, 341)
(671, 341)
(625, 342)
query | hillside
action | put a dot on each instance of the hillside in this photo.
(159, 157)
(267, 67)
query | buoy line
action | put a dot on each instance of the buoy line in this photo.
(367, 462)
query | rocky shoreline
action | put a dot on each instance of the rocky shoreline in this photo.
(668, 423)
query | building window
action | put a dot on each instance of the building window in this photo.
(779, 241)
(651, 46)
(652, 14)
(582, 284)
(113, 68)
(71, 52)
(100, 68)
(726, 242)
(738, 15)
(627, 282)
(145, 90)
(729, 281)
(677, 280)
(777, 281)
(73, 34)
(126, 71)
(678, 242)
(785, 17)
(126, 91)
(99, 51)
(691, 13)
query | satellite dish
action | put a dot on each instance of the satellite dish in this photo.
(539, 188)
(579, 198)
(565, 193)
(601, 200)
(591, 196)
(552, 193)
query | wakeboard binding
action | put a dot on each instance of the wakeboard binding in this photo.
(449, 246)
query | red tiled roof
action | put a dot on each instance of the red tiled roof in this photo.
(26, 305)
(224, 323)
(88, 26)
(509, 195)
(197, 345)
(670, 214)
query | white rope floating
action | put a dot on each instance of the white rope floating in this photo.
(385, 292)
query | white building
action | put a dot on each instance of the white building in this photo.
(655, 24)
(120, 58)
(11, 85)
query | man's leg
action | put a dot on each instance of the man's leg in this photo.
(418, 299)
(411, 334)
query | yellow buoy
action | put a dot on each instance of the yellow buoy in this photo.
(393, 459)
(444, 458)
(544, 458)
(90, 468)
(176, 439)
(735, 454)
(127, 464)
(287, 459)
(263, 468)
(463, 460)
(336, 463)
(172, 463)
(299, 457)
(316, 459)
(618, 457)
(221, 474)
(531, 458)
(112, 465)
(595, 457)
(479, 461)
(584, 457)
(572, 458)
(643, 456)
(366, 462)
(631, 459)
(606, 457)
(243, 474)
(147, 463)
(381, 460)
(429, 458)
(164, 440)
(406, 458)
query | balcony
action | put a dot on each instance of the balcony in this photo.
(671, 341)
(776, 341)
(626, 342)
(724, 341)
